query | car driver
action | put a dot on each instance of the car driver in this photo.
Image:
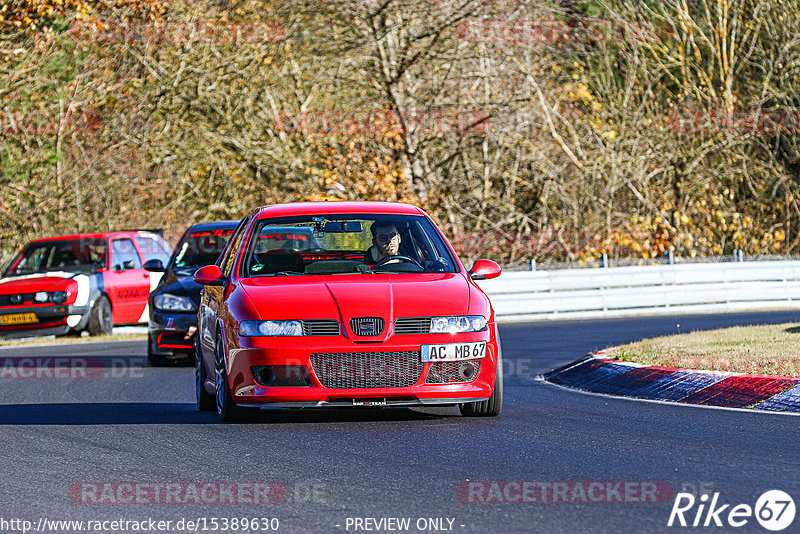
(385, 242)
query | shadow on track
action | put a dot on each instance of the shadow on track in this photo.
(144, 413)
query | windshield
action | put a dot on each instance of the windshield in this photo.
(346, 244)
(200, 248)
(64, 255)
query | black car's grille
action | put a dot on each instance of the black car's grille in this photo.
(449, 372)
(321, 327)
(412, 325)
(367, 369)
(367, 326)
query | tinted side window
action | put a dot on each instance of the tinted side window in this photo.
(122, 250)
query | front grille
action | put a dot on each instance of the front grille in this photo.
(412, 325)
(13, 300)
(449, 372)
(367, 326)
(321, 327)
(340, 370)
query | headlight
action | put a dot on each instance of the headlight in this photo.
(270, 328)
(455, 325)
(58, 297)
(167, 302)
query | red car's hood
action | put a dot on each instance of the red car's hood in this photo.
(369, 295)
(31, 283)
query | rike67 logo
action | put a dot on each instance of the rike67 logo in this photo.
(774, 510)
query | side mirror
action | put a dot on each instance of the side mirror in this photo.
(130, 264)
(484, 270)
(154, 266)
(210, 275)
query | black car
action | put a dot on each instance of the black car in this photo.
(173, 303)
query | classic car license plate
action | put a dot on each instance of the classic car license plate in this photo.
(453, 352)
(17, 318)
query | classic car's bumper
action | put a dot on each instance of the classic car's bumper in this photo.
(50, 320)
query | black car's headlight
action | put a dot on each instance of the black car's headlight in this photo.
(174, 303)
(270, 328)
(457, 324)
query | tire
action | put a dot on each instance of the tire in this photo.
(100, 321)
(205, 400)
(155, 360)
(492, 406)
(227, 410)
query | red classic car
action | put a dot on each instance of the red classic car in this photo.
(368, 306)
(79, 282)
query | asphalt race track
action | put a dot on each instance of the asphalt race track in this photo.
(122, 421)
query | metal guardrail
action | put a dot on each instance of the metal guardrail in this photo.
(667, 259)
(652, 289)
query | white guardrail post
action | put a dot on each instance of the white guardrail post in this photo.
(652, 289)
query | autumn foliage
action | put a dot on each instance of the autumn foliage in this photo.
(538, 130)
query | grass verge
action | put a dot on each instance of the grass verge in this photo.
(763, 350)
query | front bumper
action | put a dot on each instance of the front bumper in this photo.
(169, 333)
(51, 320)
(371, 403)
(246, 353)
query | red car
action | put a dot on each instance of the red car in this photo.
(71, 283)
(378, 312)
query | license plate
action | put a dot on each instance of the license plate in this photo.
(454, 352)
(17, 318)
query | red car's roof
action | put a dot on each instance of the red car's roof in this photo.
(312, 208)
(96, 235)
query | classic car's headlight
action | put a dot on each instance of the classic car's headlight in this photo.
(454, 325)
(167, 302)
(56, 297)
(270, 328)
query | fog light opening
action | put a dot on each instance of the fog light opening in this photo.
(466, 372)
(281, 375)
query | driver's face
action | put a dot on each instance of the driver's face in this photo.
(387, 240)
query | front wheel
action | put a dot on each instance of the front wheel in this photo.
(100, 321)
(205, 400)
(227, 410)
(490, 407)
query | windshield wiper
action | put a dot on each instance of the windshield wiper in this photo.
(287, 273)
